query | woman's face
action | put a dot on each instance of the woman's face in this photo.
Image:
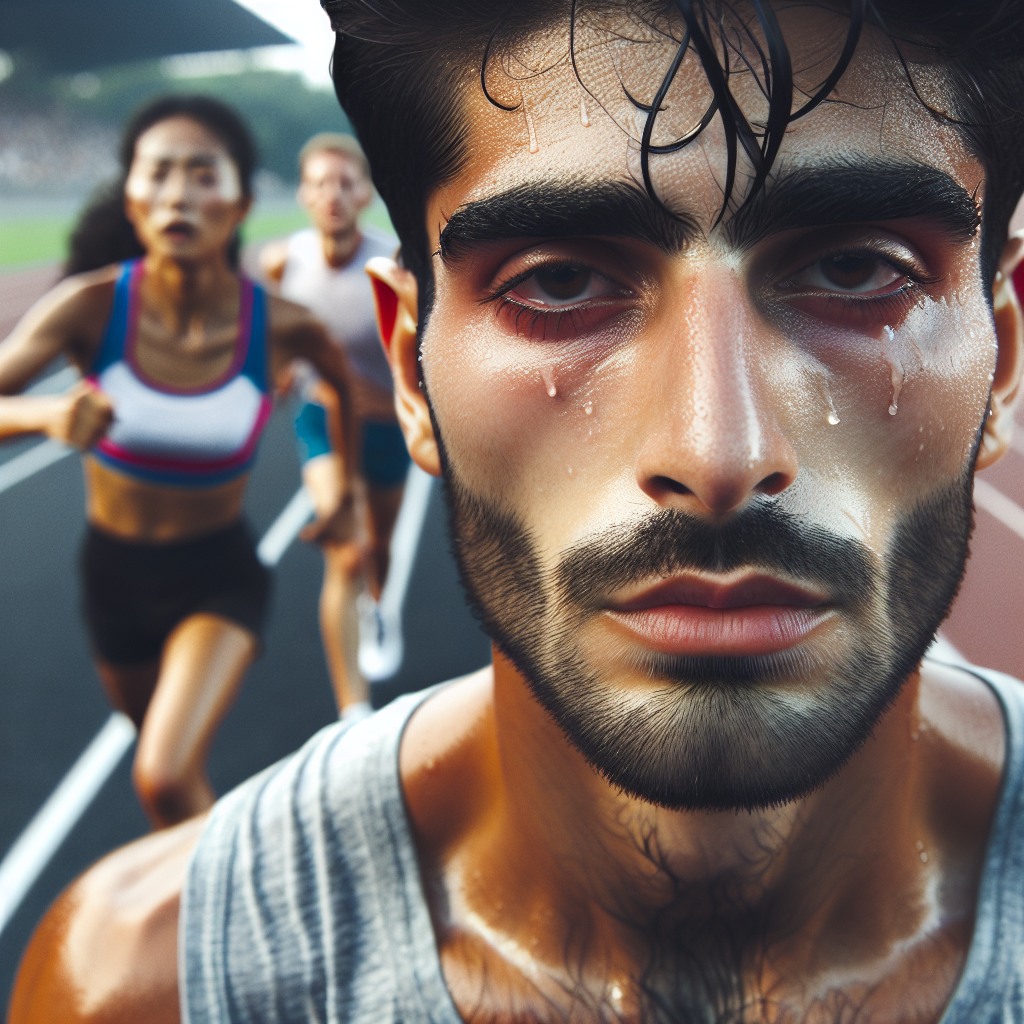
(183, 194)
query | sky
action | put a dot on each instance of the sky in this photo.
(306, 23)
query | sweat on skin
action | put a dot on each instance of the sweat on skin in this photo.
(588, 380)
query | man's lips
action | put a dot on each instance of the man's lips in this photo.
(695, 616)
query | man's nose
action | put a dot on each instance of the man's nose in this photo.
(713, 435)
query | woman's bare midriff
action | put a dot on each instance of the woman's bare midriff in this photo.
(150, 514)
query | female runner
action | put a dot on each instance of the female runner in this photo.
(180, 353)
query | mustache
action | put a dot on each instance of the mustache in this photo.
(761, 536)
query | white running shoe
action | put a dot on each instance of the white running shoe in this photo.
(380, 641)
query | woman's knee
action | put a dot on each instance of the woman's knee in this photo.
(344, 562)
(169, 792)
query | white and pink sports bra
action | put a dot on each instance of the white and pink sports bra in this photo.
(178, 437)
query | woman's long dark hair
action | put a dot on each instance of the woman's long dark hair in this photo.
(103, 234)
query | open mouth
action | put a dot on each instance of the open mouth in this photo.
(696, 616)
(179, 231)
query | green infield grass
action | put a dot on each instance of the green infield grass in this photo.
(44, 239)
(34, 240)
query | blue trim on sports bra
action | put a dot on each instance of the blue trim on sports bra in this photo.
(255, 365)
(112, 347)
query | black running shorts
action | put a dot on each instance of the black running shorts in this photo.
(134, 595)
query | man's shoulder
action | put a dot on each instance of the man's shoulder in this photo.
(304, 238)
(107, 949)
(978, 714)
(335, 790)
(293, 864)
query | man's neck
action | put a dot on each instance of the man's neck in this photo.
(340, 248)
(537, 858)
(608, 835)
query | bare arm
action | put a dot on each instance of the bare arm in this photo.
(273, 257)
(67, 320)
(106, 951)
(298, 334)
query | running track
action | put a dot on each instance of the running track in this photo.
(51, 706)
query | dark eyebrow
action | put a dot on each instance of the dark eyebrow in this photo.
(813, 196)
(852, 193)
(203, 160)
(564, 209)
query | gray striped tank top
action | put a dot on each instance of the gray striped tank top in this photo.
(303, 902)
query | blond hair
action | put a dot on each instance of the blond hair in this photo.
(334, 142)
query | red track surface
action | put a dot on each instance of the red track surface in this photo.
(987, 623)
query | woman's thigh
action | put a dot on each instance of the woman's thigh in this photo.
(203, 665)
(129, 688)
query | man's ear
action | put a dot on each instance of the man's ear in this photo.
(395, 295)
(1006, 384)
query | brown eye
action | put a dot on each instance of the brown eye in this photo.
(849, 270)
(563, 283)
(853, 273)
(561, 286)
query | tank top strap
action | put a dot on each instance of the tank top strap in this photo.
(122, 315)
(253, 329)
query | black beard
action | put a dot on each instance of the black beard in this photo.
(717, 733)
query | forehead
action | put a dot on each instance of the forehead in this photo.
(578, 111)
(178, 138)
(330, 162)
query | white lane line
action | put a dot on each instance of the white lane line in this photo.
(285, 528)
(378, 661)
(997, 504)
(56, 382)
(30, 462)
(406, 539)
(26, 860)
(45, 833)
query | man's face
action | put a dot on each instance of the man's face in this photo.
(334, 190)
(710, 483)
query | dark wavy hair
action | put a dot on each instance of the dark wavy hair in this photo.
(103, 234)
(400, 67)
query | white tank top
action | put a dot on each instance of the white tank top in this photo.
(340, 298)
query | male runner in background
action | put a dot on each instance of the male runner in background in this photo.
(706, 321)
(322, 268)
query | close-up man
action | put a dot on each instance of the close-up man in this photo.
(705, 317)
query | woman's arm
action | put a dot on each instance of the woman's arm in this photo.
(67, 320)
